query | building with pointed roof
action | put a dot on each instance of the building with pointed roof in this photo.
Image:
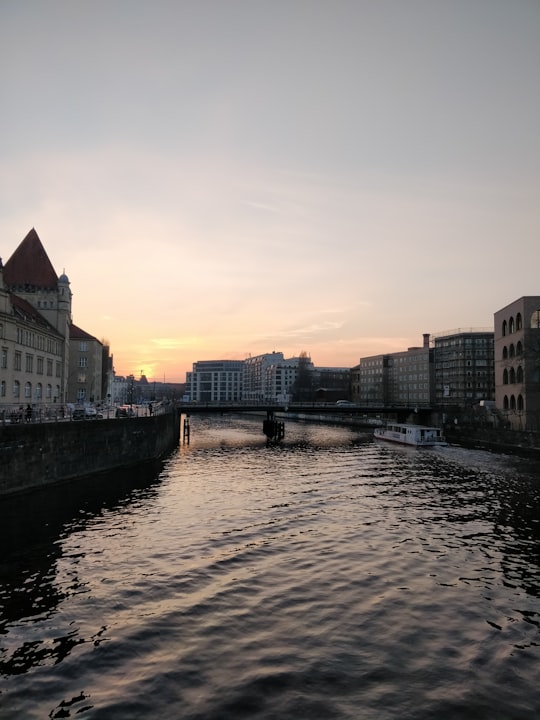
(35, 328)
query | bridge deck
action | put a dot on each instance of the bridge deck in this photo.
(303, 408)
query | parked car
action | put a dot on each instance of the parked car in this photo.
(85, 413)
(123, 411)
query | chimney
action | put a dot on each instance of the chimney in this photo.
(426, 339)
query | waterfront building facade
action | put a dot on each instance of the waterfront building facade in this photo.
(411, 376)
(255, 376)
(35, 321)
(464, 368)
(85, 367)
(36, 313)
(370, 381)
(401, 378)
(279, 381)
(215, 381)
(517, 363)
(31, 355)
(331, 383)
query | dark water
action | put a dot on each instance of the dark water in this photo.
(331, 577)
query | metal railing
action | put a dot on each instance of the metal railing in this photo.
(17, 414)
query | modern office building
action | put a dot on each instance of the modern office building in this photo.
(517, 362)
(464, 368)
(215, 381)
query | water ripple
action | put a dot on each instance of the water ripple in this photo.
(331, 577)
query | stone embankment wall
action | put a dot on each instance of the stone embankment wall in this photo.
(496, 440)
(33, 456)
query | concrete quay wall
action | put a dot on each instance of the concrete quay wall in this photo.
(34, 456)
(496, 440)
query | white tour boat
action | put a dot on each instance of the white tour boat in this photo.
(416, 435)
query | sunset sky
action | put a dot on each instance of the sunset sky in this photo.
(220, 178)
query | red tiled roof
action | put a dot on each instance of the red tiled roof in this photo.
(76, 333)
(30, 265)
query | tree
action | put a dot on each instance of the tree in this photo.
(302, 390)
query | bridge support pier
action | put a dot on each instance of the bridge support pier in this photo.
(272, 428)
(186, 430)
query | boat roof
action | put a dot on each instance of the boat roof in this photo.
(413, 426)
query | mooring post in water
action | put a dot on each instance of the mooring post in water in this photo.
(272, 428)
(186, 432)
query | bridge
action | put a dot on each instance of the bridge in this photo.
(313, 408)
(274, 426)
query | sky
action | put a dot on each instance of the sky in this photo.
(226, 178)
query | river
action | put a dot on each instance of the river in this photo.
(332, 576)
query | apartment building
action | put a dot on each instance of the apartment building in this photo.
(255, 378)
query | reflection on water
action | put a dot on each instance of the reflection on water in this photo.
(329, 577)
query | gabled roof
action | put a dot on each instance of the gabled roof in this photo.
(76, 333)
(25, 311)
(30, 265)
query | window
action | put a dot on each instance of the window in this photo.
(512, 351)
(512, 377)
(16, 389)
(535, 320)
(83, 346)
(504, 328)
(39, 368)
(29, 363)
(505, 376)
(520, 403)
(28, 390)
(81, 377)
(519, 375)
(49, 367)
(519, 349)
(3, 388)
(83, 362)
(505, 352)
(3, 362)
(18, 360)
(511, 325)
(81, 394)
(505, 402)
(48, 391)
(519, 322)
(39, 391)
